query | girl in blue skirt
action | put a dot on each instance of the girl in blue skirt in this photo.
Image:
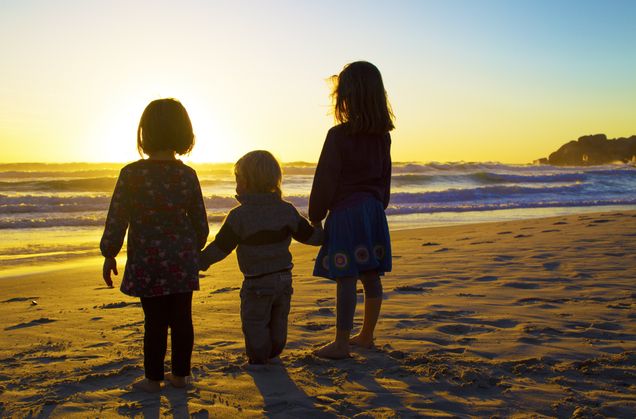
(351, 188)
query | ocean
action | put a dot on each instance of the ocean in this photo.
(55, 212)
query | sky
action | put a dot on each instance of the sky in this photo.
(506, 81)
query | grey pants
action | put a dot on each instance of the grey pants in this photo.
(265, 304)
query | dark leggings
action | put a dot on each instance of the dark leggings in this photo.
(173, 311)
(347, 297)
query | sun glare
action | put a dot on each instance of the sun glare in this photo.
(116, 130)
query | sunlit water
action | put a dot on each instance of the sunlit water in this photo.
(54, 213)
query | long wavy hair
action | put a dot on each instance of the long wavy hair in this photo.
(360, 101)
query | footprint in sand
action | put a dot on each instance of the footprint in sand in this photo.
(325, 311)
(224, 290)
(536, 300)
(411, 289)
(552, 230)
(443, 351)
(99, 345)
(543, 256)
(487, 278)
(607, 326)
(120, 304)
(433, 284)
(443, 249)
(463, 329)
(128, 325)
(620, 306)
(551, 266)
(20, 299)
(482, 242)
(521, 236)
(503, 258)
(444, 314)
(430, 244)
(214, 345)
(539, 330)
(602, 220)
(521, 285)
(466, 294)
(406, 324)
(615, 254)
(558, 223)
(36, 322)
(505, 232)
(315, 327)
(329, 301)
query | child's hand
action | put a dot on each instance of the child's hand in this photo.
(110, 264)
(203, 266)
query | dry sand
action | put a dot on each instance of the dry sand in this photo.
(526, 318)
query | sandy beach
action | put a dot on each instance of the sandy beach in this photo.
(530, 318)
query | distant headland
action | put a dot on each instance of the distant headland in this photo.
(593, 149)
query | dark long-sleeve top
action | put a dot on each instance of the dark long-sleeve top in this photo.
(161, 205)
(261, 229)
(350, 165)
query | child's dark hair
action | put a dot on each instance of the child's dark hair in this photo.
(261, 172)
(165, 125)
(360, 100)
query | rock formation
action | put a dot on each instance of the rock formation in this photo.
(593, 149)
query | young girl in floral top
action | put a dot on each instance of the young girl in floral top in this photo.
(159, 201)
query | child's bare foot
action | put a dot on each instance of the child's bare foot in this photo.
(147, 385)
(333, 351)
(176, 380)
(362, 341)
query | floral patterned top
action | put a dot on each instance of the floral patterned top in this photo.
(161, 204)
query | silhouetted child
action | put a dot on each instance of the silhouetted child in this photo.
(352, 183)
(261, 228)
(159, 201)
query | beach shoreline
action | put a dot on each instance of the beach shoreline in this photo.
(77, 246)
(533, 316)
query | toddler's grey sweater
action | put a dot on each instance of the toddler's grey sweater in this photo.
(261, 229)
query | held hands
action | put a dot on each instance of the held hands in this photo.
(110, 264)
(203, 266)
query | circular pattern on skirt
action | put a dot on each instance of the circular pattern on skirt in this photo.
(378, 250)
(325, 262)
(340, 260)
(361, 254)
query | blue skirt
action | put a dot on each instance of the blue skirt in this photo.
(356, 240)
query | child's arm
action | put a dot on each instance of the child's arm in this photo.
(225, 241)
(307, 233)
(386, 176)
(198, 216)
(116, 224)
(326, 179)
